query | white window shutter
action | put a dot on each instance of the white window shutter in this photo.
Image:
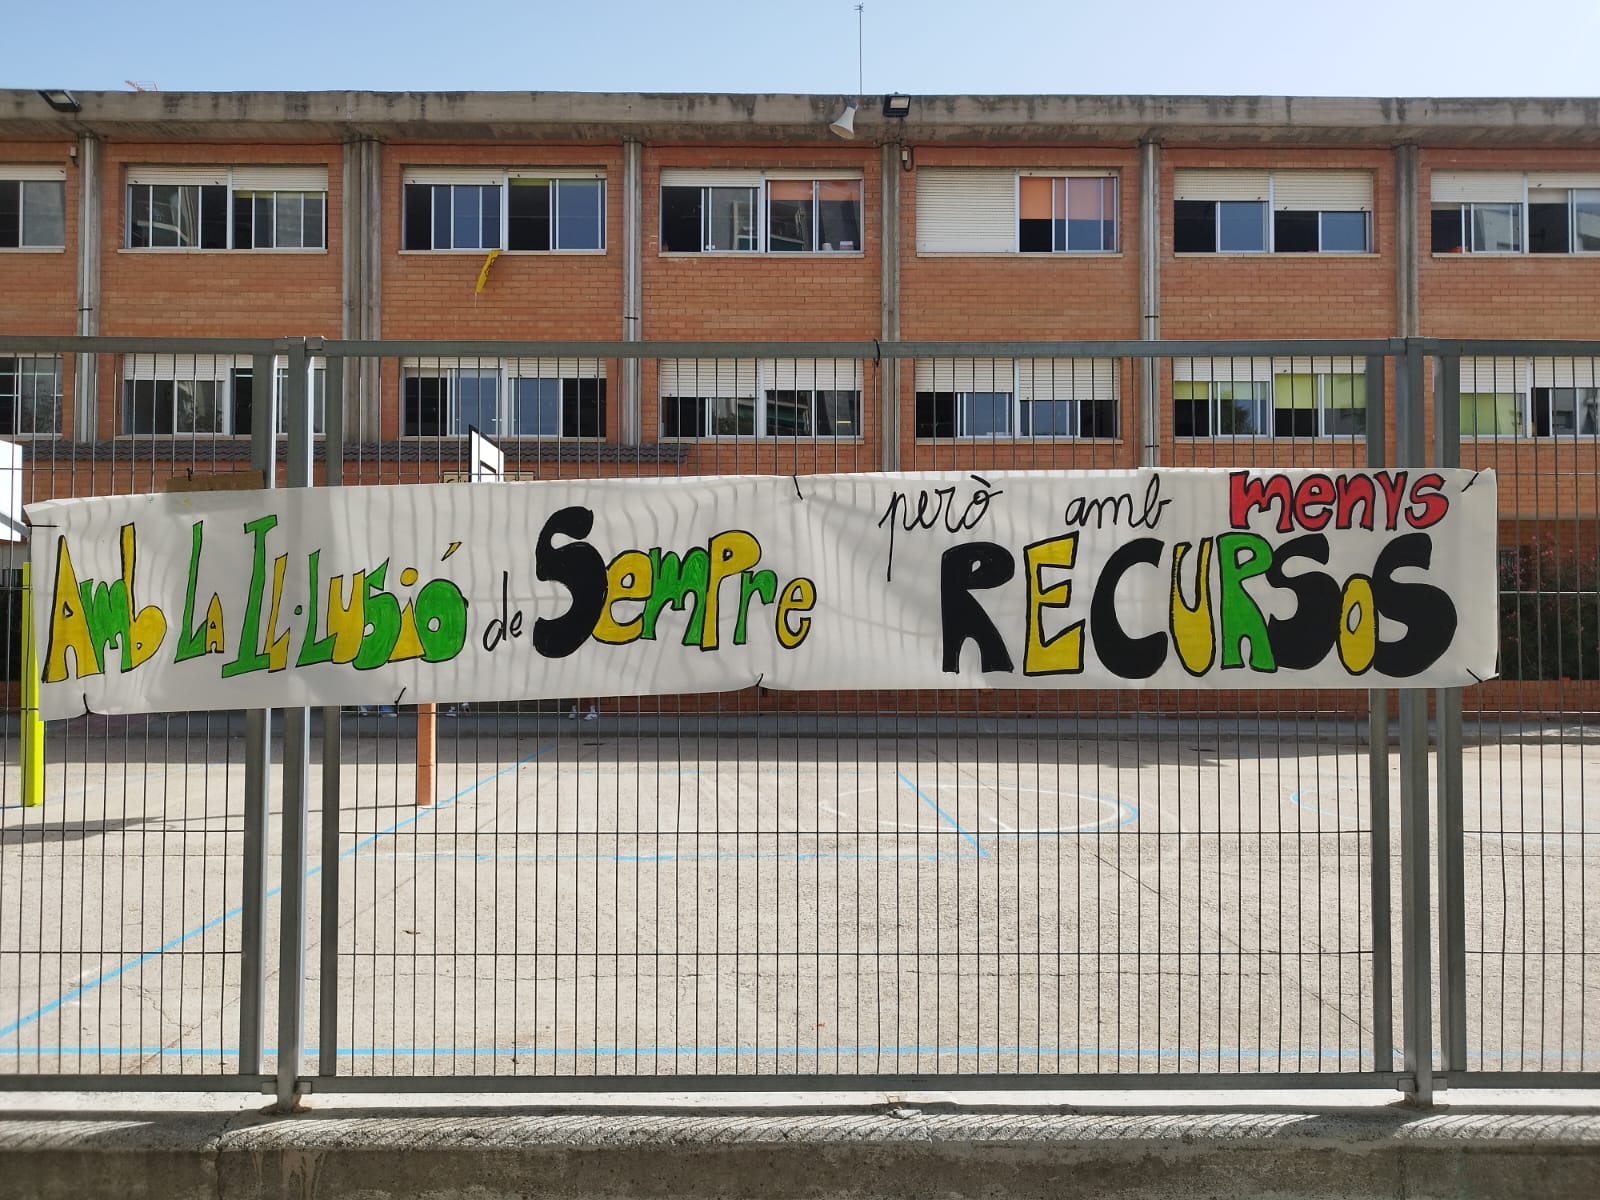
(1477, 187)
(178, 176)
(1491, 375)
(1583, 180)
(1322, 191)
(965, 375)
(465, 175)
(555, 173)
(555, 368)
(966, 210)
(1564, 372)
(694, 177)
(1224, 370)
(31, 174)
(280, 179)
(721, 377)
(1320, 365)
(180, 366)
(825, 374)
(1067, 379)
(1195, 184)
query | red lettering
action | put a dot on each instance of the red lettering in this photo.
(1433, 506)
(1315, 491)
(1394, 494)
(1246, 494)
(1353, 490)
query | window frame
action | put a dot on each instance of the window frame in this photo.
(1526, 391)
(507, 373)
(1270, 214)
(224, 373)
(22, 177)
(1524, 205)
(768, 384)
(1064, 178)
(11, 401)
(760, 235)
(208, 224)
(1263, 376)
(503, 181)
(1019, 406)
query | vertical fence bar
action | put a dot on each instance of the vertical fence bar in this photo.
(332, 752)
(257, 760)
(296, 777)
(1378, 777)
(1449, 768)
(1417, 985)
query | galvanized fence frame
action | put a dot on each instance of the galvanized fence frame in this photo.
(1425, 1063)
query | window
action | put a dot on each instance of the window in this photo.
(516, 398)
(1026, 398)
(1259, 397)
(466, 209)
(1508, 212)
(33, 208)
(704, 212)
(981, 210)
(222, 208)
(1057, 215)
(1278, 212)
(786, 398)
(30, 394)
(179, 394)
(1540, 397)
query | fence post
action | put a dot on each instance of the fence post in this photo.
(1417, 977)
(257, 763)
(1378, 776)
(296, 776)
(1452, 836)
(332, 752)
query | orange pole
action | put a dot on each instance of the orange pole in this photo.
(427, 751)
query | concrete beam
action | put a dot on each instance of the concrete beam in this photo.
(1361, 1154)
(685, 117)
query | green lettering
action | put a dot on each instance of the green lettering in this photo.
(1243, 556)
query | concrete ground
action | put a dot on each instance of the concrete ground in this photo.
(685, 898)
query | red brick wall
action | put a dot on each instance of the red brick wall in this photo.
(39, 288)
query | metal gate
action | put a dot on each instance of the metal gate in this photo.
(761, 890)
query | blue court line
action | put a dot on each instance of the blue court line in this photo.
(944, 816)
(84, 988)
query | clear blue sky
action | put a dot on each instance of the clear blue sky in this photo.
(1224, 47)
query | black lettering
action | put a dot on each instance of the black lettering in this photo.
(1303, 640)
(962, 571)
(579, 568)
(1426, 611)
(1127, 657)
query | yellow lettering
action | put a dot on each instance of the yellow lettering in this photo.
(68, 628)
(732, 552)
(347, 623)
(277, 643)
(627, 578)
(1359, 645)
(1061, 654)
(799, 597)
(1192, 631)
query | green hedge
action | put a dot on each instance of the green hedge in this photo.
(1549, 614)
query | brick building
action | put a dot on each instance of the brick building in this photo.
(744, 218)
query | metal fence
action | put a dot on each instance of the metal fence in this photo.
(822, 890)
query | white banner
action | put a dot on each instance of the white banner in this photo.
(453, 592)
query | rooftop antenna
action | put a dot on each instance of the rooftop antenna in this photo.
(860, 42)
(141, 86)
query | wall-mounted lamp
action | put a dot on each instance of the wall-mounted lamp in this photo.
(844, 125)
(60, 99)
(897, 106)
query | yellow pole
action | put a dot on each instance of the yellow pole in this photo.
(32, 726)
(427, 751)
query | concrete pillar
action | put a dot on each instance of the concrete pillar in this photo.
(1149, 298)
(632, 286)
(86, 372)
(1406, 248)
(889, 307)
(362, 227)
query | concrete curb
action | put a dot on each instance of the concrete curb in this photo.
(900, 1154)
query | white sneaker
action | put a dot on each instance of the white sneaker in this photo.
(591, 715)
